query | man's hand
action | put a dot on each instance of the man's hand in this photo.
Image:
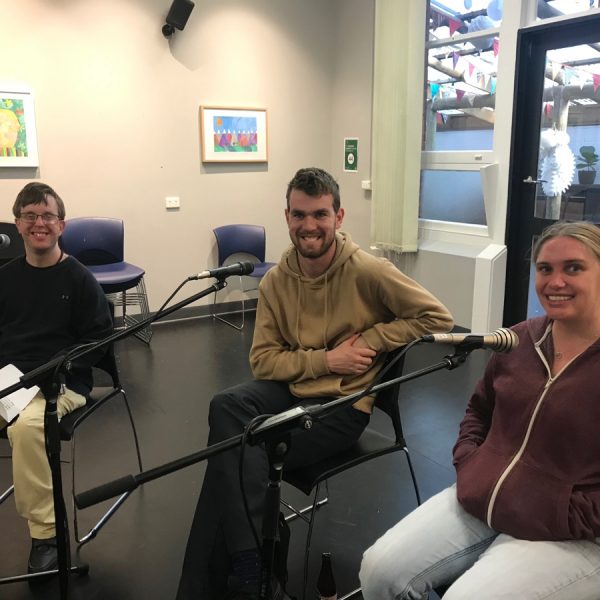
(351, 357)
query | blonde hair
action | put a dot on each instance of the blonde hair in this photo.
(585, 232)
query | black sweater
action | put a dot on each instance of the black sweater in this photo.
(47, 311)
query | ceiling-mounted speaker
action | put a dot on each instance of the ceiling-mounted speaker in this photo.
(178, 16)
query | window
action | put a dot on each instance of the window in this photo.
(462, 57)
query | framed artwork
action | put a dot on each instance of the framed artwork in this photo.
(18, 142)
(233, 134)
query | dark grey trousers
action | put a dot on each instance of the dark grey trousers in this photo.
(220, 526)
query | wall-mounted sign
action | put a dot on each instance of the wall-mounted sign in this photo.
(350, 154)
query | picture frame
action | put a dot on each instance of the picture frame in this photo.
(233, 135)
(18, 139)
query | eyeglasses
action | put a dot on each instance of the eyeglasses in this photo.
(48, 218)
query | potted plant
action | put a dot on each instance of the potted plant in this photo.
(586, 162)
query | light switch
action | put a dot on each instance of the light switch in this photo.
(172, 202)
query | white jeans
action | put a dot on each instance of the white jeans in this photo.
(439, 543)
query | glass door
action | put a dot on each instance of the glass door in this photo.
(555, 145)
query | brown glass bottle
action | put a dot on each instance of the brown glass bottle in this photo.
(325, 581)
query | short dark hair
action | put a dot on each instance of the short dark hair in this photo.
(315, 182)
(36, 193)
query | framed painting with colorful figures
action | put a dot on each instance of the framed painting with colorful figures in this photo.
(18, 142)
(233, 134)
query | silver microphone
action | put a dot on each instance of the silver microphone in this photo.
(501, 340)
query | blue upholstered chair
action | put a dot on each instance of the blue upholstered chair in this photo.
(242, 239)
(98, 243)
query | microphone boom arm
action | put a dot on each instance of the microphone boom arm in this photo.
(268, 429)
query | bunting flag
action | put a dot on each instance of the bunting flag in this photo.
(453, 25)
(460, 94)
(569, 75)
(496, 46)
(596, 81)
(444, 117)
(471, 99)
(435, 88)
(471, 68)
(455, 57)
(547, 108)
(438, 118)
(555, 68)
(493, 85)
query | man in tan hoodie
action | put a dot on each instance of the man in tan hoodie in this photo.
(327, 315)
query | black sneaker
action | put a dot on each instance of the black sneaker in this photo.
(43, 555)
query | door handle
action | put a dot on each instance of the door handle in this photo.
(534, 181)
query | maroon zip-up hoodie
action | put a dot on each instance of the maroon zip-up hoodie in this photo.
(528, 452)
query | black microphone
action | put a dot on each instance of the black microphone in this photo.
(4, 240)
(501, 340)
(239, 268)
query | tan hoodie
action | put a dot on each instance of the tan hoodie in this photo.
(298, 319)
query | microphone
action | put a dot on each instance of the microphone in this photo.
(501, 340)
(239, 268)
(4, 240)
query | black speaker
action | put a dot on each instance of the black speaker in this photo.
(179, 13)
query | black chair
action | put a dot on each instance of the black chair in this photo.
(370, 445)
(70, 422)
(15, 247)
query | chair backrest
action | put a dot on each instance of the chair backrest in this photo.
(94, 240)
(387, 399)
(16, 248)
(108, 364)
(233, 239)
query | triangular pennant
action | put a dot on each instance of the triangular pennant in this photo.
(444, 117)
(493, 85)
(596, 80)
(435, 88)
(453, 25)
(455, 57)
(496, 46)
(471, 99)
(471, 68)
(460, 94)
(438, 118)
(547, 108)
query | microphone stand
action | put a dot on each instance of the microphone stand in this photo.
(50, 376)
(274, 432)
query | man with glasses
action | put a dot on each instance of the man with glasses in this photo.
(49, 304)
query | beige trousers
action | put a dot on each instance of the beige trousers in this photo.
(31, 472)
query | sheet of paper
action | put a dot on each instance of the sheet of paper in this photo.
(12, 405)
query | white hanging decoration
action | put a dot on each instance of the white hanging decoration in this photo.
(557, 162)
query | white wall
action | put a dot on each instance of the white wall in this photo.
(117, 110)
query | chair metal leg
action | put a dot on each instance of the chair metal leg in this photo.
(7, 493)
(91, 534)
(412, 475)
(308, 539)
(140, 298)
(223, 319)
(302, 512)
